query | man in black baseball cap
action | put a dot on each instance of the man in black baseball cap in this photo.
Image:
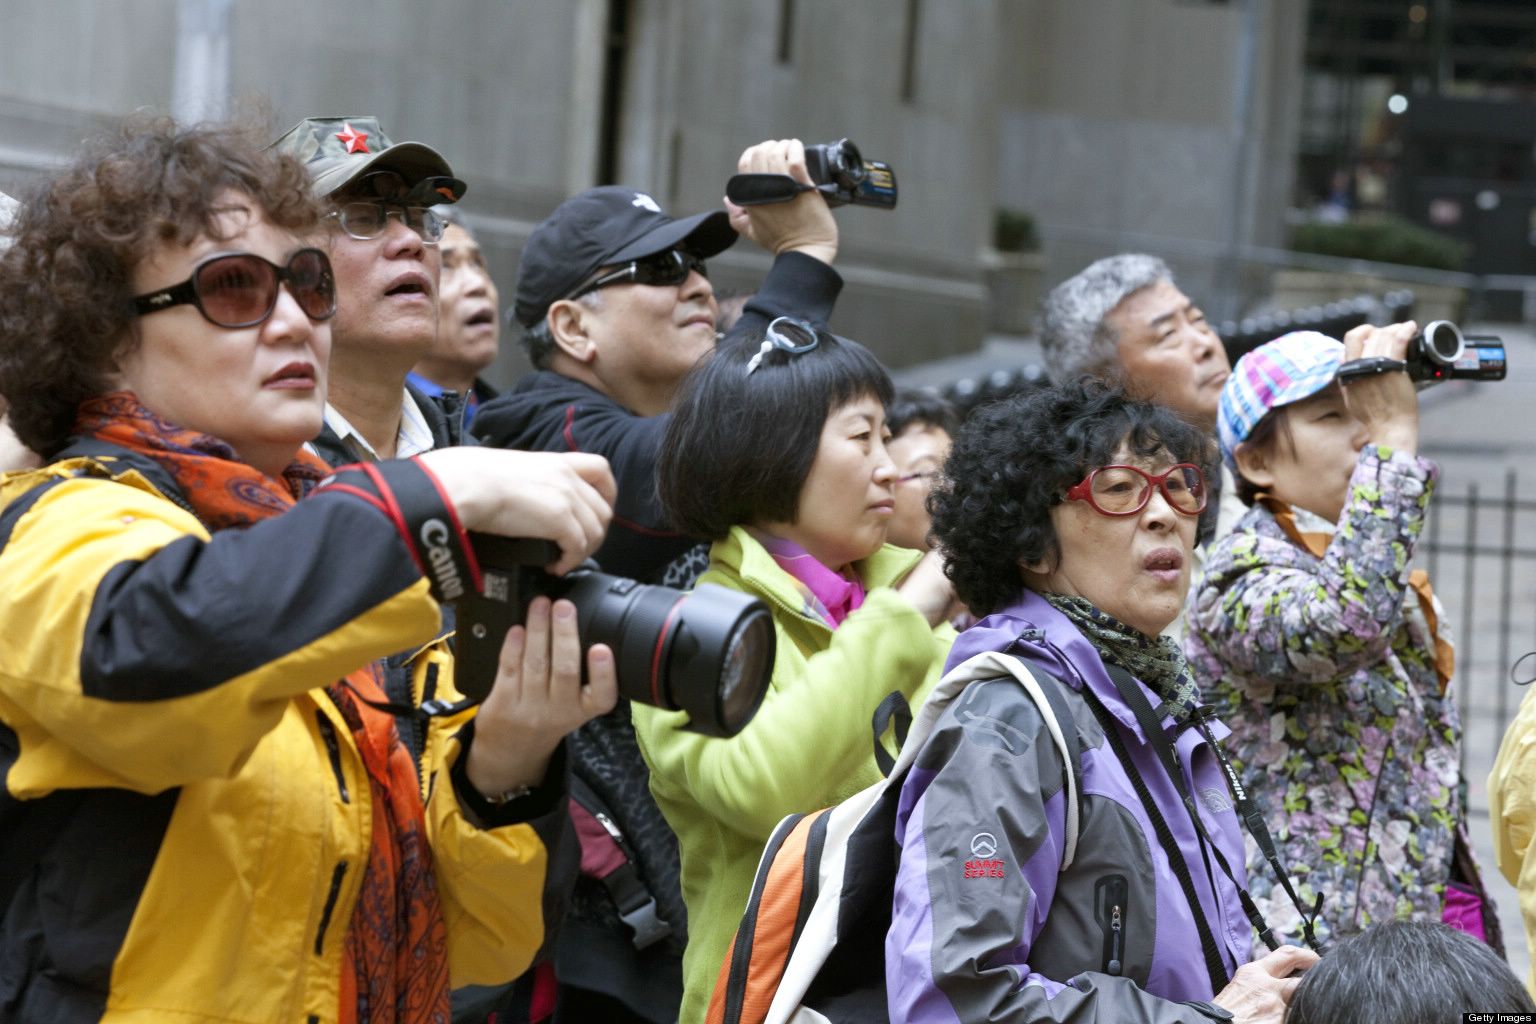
(616, 307)
(383, 247)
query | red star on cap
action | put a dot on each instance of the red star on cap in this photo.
(354, 140)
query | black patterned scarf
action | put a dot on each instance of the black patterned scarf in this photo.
(1155, 660)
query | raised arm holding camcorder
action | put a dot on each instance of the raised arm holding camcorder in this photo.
(1323, 648)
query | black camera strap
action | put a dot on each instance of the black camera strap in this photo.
(1247, 810)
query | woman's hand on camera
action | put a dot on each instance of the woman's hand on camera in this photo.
(1260, 991)
(928, 590)
(565, 497)
(804, 224)
(1386, 403)
(537, 698)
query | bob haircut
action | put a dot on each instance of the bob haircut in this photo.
(1408, 972)
(66, 281)
(739, 447)
(1014, 461)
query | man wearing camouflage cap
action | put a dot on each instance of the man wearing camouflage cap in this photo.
(383, 248)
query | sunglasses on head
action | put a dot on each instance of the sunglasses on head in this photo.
(670, 267)
(786, 334)
(239, 289)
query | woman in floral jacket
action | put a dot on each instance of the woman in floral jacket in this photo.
(1325, 654)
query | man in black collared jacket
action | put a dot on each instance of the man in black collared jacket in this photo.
(616, 308)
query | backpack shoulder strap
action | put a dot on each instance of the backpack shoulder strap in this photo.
(1063, 728)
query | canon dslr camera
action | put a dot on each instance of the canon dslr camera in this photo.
(708, 651)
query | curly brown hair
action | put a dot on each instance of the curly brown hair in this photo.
(65, 282)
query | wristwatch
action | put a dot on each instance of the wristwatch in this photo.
(507, 796)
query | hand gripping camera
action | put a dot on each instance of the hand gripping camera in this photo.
(840, 172)
(1437, 353)
(708, 651)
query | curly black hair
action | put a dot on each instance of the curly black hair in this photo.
(1014, 460)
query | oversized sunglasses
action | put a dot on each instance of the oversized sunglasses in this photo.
(239, 289)
(788, 335)
(670, 267)
(1125, 490)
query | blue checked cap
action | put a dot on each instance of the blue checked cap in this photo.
(1280, 372)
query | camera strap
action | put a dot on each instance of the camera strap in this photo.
(1356, 369)
(1248, 811)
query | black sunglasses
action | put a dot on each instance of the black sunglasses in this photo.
(669, 267)
(239, 289)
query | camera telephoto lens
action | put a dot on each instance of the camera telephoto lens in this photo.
(708, 652)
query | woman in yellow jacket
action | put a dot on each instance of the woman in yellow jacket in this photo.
(208, 814)
(776, 452)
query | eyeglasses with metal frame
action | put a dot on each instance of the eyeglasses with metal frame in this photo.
(239, 289)
(367, 219)
(1125, 490)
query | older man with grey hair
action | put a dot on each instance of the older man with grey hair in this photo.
(1124, 320)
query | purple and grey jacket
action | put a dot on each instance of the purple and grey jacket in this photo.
(985, 924)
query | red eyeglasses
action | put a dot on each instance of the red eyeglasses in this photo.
(1125, 490)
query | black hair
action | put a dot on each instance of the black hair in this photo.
(1014, 460)
(921, 407)
(738, 448)
(1408, 972)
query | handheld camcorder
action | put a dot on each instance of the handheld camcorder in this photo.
(1437, 353)
(840, 172)
(708, 651)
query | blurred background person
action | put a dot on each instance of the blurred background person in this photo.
(922, 424)
(208, 811)
(1326, 653)
(1512, 812)
(776, 450)
(468, 321)
(1067, 518)
(1408, 972)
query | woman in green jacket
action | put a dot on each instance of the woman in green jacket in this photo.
(777, 452)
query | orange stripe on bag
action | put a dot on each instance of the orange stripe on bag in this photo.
(773, 931)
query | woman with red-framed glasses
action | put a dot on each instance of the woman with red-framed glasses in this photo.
(1067, 518)
(209, 813)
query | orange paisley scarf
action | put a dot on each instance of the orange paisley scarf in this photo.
(395, 958)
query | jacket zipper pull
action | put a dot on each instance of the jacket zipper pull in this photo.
(1116, 941)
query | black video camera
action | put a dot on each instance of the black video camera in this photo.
(708, 651)
(840, 172)
(1437, 353)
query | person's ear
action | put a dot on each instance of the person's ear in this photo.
(1255, 466)
(1039, 568)
(570, 325)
